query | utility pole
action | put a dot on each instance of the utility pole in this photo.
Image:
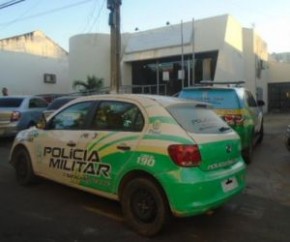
(114, 22)
(193, 53)
(182, 54)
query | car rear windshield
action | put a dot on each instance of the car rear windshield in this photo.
(198, 119)
(219, 98)
(10, 102)
(56, 104)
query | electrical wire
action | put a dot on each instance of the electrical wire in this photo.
(97, 16)
(10, 3)
(47, 12)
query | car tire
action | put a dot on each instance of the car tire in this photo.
(145, 206)
(287, 143)
(23, 168)
(261, 135)
(248, 153)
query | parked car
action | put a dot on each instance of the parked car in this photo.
(237, 106)
(57, 103)
(157, 155)
(287, 138)
(19, 112)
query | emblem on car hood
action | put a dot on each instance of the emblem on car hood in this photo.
(229, 148)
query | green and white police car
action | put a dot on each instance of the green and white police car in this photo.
(237, 106)
(157, 155)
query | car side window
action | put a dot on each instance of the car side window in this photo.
(250, 99)
(37, 103)
(71, 118)
(118, 116)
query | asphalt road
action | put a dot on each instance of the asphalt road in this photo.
(49, 212)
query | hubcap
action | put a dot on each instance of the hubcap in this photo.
(144, 206)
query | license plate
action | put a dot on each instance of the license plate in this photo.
(229, 184)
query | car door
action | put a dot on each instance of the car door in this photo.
(110, 141)
(58, 156)
(254, 110)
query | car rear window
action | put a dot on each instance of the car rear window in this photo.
(10, 102)
(198, 119)
(219, 98)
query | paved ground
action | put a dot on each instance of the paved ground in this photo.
(48, 212)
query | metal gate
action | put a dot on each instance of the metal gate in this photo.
(279, 97)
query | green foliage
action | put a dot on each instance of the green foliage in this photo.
(92, 83)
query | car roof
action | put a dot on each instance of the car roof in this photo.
(219, 87)
(140, 98)
(20, 96)
(65, 97)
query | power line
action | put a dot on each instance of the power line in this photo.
(46, 12)
(98, 16)
(10, 3)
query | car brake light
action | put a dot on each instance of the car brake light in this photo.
(233, 119)
(185, 155)
(15, 116)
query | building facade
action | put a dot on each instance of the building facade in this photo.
(166, 59)
(33, 64)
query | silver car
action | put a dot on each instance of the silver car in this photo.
(19, 112)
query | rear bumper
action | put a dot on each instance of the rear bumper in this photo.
(9, 129)
(204, 191)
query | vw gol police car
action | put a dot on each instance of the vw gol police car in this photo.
(157, 155)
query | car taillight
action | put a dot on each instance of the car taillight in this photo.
(15, 116)
(185, 155)
(233, 119)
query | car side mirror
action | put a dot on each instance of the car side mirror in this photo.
(260, 103)
(41, 124)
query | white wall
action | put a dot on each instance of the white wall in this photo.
(255, 49)
(36, 43)
(89, 55)
(279, 72)
(23, 73)
(230, 63)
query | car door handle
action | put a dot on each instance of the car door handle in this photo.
(71, 144)
(123, 147)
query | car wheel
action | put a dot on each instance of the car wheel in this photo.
(144, 206)
(23, 169)
(287, 143)
(261, 135)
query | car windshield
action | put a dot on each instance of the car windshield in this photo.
(198, 119)
(56, 104)
(219, 98)
(10, 102)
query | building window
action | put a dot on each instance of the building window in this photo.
(49, 78)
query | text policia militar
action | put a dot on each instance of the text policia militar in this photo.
(77, 160)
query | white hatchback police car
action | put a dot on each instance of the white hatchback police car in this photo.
(157, 155)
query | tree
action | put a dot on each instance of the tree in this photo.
(92, 84)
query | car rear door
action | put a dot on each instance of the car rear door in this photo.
(255, 112)
(111, 139)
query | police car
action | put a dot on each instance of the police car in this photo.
(237, 106)
(159, 156)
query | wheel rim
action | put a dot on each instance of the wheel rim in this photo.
(144, 206)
